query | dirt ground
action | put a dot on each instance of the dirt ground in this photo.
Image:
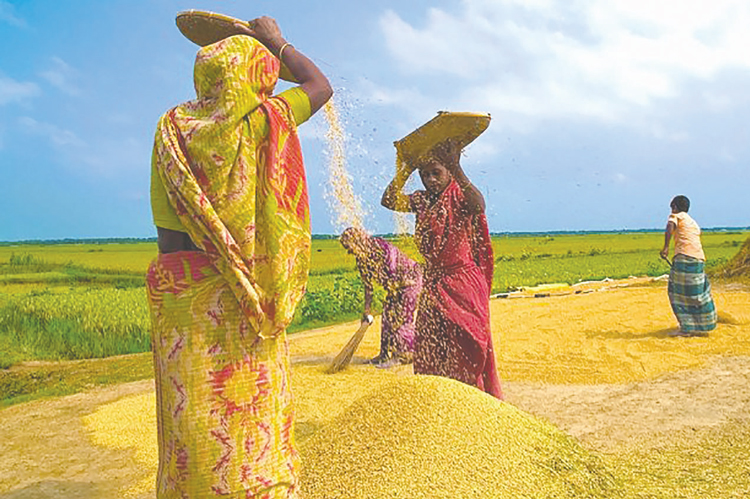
(599, 365)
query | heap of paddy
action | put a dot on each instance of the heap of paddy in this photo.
(739, 266)
(370, 434)
(431, 437)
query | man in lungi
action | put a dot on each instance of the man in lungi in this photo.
(689, 289)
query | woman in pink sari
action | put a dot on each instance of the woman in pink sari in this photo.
(453, 324)
(379, 261)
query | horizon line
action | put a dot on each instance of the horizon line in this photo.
(83, 240)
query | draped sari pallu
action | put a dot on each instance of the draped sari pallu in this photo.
(453, 326)
(690, 295)
(231, 165)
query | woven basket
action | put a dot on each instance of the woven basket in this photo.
(461, 127)
(204, 28)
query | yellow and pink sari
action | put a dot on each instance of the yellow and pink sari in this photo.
(231, 165)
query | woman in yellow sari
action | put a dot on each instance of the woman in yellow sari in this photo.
(230, 204)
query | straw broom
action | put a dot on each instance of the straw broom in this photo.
(345, 356)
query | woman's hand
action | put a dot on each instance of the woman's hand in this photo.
(405, 167)
(265, 30)
(448, 153)
(306, 73)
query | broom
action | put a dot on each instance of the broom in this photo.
(345, 355)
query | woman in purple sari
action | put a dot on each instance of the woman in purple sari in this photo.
(379, 261)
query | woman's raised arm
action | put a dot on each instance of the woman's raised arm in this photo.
(310, 78)
(393, 197)
(449, 153)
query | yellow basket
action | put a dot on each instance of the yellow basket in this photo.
(204, 28)
(460, 126)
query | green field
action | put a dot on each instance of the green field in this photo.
(80, 301)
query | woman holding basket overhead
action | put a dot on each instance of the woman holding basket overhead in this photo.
(453, 324)
(229, 201)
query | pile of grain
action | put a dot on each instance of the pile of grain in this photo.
(739, 266)
(430, 437)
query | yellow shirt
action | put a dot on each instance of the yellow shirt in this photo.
(163, 212)
(687, 236)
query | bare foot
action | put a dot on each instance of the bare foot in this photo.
(688, 334)
(393, 362)
(377, 360)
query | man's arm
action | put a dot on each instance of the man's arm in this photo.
(667, 238)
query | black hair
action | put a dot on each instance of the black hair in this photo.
(681, 203)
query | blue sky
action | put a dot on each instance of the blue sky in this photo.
(602, 109)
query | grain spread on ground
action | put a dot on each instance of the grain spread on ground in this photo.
(588, 363)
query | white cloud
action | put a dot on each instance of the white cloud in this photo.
(716, 102)
(103, 157)
(659, 132)
(113, 157)
(58, 136)
(16, 91)
(417, 103)
(8, 15)
(62, 76)
(480, 150)
(609, 61)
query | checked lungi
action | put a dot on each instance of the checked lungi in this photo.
(690, 295)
